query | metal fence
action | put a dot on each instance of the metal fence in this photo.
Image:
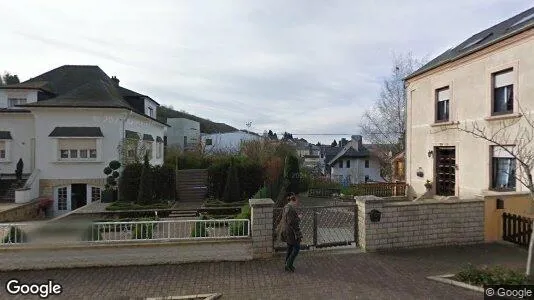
(124, 231)
(323, 226)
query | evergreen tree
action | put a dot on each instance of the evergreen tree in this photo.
(292, 173)
(146, 184)
(232, 191)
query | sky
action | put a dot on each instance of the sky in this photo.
(301, 66)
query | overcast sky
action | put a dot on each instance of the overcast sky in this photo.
(300, 66)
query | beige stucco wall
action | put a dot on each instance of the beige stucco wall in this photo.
(469, 80)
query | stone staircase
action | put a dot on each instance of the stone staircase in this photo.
(8, 188)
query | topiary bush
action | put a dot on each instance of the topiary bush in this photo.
(146, 185)
(15, 235)
(144, 231)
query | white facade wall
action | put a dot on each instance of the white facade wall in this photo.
(227, 142)
(30, 95)
(357, 170)
(150, 104)
(144, 125)
(22, 129)
(181, 127)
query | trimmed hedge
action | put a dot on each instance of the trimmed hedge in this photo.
(134, 206)
(129, 182)
(491, 276)
(160, 181)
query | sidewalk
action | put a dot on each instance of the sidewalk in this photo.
(320, 275)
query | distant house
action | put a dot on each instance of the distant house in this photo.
(397, 168)
(229, 142)
(66, 125)
(183, 133)
(353, 163)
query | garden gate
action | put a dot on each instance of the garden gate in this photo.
(323, 226)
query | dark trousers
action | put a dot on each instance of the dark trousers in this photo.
(292, 252)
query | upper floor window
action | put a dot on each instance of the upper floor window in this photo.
(341, 164)
(503, 168)
(348, 163)
(442, 104)
(150, 112)
(77, 149)
(2, 150)
(159, 152)
(366, 163)
(209, 142)
(148, 149)
(13, 102)
(503, 92)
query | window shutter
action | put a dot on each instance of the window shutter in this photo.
(504, 79)
(500, 152)
(443, 94)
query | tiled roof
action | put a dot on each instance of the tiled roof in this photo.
(506, 29)
(76, 132)
(148, 137)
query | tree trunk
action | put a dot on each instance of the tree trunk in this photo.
(530, 244)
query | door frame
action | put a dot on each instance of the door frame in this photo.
(56, 199)
(90, 193)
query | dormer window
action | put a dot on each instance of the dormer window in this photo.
(150, 112)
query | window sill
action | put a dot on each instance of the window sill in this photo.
(77, 162)
(444, 123)
(503, 117)
(5, 161)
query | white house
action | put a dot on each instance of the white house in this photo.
(354, 163)
(183, 133)
(67, 125)
(229, 142)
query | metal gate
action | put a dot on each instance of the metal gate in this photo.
(323, 226)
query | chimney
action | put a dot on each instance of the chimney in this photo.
(358, 140)
(115, 80)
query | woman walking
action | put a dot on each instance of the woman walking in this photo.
(289, 230)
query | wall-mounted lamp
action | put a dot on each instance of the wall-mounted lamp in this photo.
(430, 153)
(420, 172)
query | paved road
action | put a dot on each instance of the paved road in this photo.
(319, 275)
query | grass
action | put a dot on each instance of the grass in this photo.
(115, 206)
(491, 276)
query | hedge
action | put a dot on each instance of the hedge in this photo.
(160, 181)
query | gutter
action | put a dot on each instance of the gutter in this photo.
(504, 37)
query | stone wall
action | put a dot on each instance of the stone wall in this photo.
(24, 212)
(46, 186)
(262, 227)
(409, 224)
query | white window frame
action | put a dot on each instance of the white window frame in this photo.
(6, 151)
(150, 111)
(93, 154)
(13, 102)
(443, 95)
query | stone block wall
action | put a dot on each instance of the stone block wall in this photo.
(262, 227)
(429, 223)
(24, 212)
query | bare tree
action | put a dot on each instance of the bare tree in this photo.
(384, 124)
(514, 137)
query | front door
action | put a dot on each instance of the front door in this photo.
(78, 195)
(62, 200)
(445, 171)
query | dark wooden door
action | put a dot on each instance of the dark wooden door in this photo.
(445, 171)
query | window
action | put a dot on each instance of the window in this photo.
(62, 198)
(150, 111)
(77, 149)
(503, 92)
(503, 168)
(348, 163)
(442, 104)
(2, 149)
(12, 102)
(159, 152)
(209, 142)
(366, 178)
(95, 194)
(341, 164)
(148, 149)
(367, 164)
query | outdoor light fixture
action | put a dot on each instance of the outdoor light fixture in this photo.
(430, 153)
(420, 172)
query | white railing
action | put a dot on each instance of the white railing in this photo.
(30, 190)
(125, 231)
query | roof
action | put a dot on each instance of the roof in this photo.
(80, 86)
(148, 137)
(506, 29)
(5, 135)
(76, 132)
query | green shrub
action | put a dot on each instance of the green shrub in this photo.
(146, 186)
(133, 206)
(262, 193)
(92, 233)
(239, 228)
(15, 235)
(199, 230)
(292, 174)
(164, 182)
(251, 177)
(144, 231)
(129, 182)
(490, 276)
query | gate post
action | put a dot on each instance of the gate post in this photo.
(261, 227)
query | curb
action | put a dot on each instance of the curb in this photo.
(190, 297)
(445, 279)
